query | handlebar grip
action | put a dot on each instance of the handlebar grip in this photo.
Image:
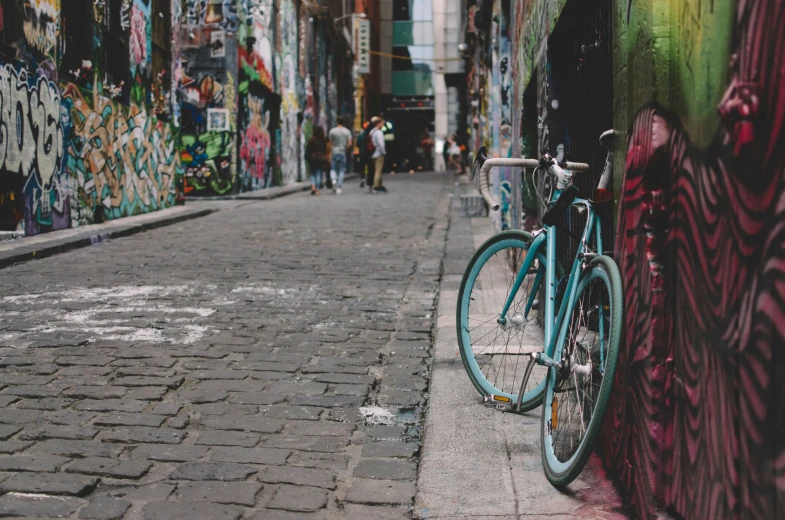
(485, 190)
(575, 166)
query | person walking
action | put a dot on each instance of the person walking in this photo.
(316, 155)
(340, 141)
(427, 149)
(454, 154)
(366, 165)
(379, 152)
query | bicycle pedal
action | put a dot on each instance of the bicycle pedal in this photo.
(499, 402)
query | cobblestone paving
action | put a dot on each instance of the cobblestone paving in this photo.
(266, 362)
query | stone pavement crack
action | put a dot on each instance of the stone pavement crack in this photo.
(270, 359)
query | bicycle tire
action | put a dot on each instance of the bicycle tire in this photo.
(561, 473)
(501, 243)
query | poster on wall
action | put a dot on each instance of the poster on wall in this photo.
(217, 119)
(217, 44)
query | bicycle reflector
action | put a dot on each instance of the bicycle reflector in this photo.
(602, 195)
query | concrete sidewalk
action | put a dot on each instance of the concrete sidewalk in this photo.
(48, 244)
(478, 463)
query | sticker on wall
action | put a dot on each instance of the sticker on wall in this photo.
(217, 119)
(214, 12)
(218, 44)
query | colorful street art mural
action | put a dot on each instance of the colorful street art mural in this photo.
(291, 86)
(90, 147)
(41, 26)
(256, 150)
(208, 98)
(694, 426)
(139, 37)
(260, 46)
(123, 159)
(90, 132)
(31, 151)
(258, 102)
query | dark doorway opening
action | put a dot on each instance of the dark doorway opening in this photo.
(581, 76)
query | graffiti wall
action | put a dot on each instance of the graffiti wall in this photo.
(290, 87)
(31, 152)
(41, 25)
(122, 159)
(258, 104)
(698, 414)
(258, 115)
(208, 97)
(78, 143)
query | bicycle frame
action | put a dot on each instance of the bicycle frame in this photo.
(548, 236)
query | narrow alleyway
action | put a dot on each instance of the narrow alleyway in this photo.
(263, 362)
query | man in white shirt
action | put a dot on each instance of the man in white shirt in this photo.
(340, 141)
(377, 137)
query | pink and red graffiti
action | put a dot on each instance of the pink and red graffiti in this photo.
(698, 413)
(255, 145)
(138, 43)
(256, 141)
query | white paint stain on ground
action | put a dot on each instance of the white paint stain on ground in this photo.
(109, 310)
(144, 313)
(377, 415)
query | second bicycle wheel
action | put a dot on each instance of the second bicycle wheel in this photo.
(578, 390)
(495, 355)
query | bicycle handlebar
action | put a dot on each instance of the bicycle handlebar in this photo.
(488, 164)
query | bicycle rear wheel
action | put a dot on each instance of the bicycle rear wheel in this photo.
(494, 355)
(577, 392)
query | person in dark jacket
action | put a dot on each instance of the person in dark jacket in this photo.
(316, 155)
(366, 167)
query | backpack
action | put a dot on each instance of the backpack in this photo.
(370, 148)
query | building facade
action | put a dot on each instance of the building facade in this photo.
(255, 77)
(694, 92)
(113, 108)
(89, 131)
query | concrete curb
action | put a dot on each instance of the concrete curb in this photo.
(25, 252)
(267, 193)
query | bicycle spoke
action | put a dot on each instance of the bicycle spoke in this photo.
(495, 349)
(577, 390)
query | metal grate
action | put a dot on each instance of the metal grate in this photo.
(473, 206)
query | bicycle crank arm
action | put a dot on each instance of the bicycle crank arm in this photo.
(524, 383)
(543, 359)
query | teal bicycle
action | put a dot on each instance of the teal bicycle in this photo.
(531, 333)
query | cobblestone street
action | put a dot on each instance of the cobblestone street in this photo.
(268, 361)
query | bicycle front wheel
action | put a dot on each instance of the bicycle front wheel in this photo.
(578, 390)
(495, 355)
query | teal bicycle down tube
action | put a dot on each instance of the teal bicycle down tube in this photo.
(569, 293)
(530, 256)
